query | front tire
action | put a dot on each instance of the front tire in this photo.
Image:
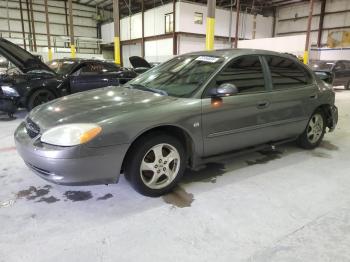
(314, 132)
(155, 164)
(40, 97)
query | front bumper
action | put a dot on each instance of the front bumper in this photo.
(80, 165)
(9, 105)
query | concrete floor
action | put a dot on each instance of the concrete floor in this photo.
(291, 205)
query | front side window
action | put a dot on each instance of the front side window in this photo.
(245, 73)
(180, 76)
(286, 73)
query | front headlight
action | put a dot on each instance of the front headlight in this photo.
(9, 91)
(71, 134)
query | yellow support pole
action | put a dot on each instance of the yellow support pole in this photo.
(209, 40)
(306, 57)
(117, 50)
(210, 33)
(72, 51)
(308, 31)
(50, 54)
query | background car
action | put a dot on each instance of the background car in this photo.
(339, 71)
(28, 82)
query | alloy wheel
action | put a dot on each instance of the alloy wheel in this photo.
(160, 166)
(315, 128)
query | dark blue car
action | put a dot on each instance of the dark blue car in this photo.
(28, 82)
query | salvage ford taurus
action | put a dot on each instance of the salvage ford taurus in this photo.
(183, 113)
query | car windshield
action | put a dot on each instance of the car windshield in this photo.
(179, 77)
(61, 67)
(322, 65)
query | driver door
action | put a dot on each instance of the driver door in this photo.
(237, 121)
(89, 76)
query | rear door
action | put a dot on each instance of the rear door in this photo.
(347, 73)
(235, 122)
(292, 99)
(339, 74)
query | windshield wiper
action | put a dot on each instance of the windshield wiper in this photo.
(145, 88)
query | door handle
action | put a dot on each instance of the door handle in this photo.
(313, 96)
(263, 104)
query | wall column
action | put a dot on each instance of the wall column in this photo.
(307, 42)
(22, 23)
(48, 31)
(210, 33)
(320, 26)
(174, 28)
(71, 27)
(238, 7)
(117, 59)
(143, 30)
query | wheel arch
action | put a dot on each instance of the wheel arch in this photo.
(34, 89)
(326, 110)
(173, 130)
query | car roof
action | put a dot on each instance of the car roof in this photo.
(80, 60)
(230, 53)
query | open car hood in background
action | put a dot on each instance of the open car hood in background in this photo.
(139, 62)
(21, 58)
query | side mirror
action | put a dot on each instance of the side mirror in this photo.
(225, 89)
(325, 76)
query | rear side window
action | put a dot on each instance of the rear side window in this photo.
(245, 73)
(92, 68)
(286, 73)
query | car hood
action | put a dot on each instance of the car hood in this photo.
(97, 106)
(24, 60)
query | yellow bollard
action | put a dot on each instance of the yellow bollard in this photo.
(209, 41)
(306, 57)
(50, 54)
(72, 51)
(117, 50)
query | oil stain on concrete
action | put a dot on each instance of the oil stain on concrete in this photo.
(76, 196)
(48, 200)
(268, 155)
(329, 146)
(320, 154)
(33, 192)
(105, 197)
(179, 198)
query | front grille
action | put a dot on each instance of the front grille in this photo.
(33, 130)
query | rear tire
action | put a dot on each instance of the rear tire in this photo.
(155, 164)
(314, 132)
(40, 97)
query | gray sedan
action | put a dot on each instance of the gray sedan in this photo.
(188, 111)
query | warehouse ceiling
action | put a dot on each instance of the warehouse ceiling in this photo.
(127, 7)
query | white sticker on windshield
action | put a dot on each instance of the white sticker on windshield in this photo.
(209, 59)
